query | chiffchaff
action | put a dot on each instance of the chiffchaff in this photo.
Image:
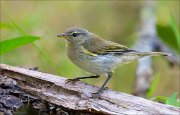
(98, 56)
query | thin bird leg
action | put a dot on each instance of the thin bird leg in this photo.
(78, 78)
(103, 86)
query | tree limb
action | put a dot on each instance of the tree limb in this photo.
(77, 96)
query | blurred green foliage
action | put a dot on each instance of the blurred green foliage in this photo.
(10, 44)
(167, 35)
(172, 100)
(170, 34)
(160, 99)
(40, 50)
(153, 85)
(5, 25)
(113, 20)
(176, 31)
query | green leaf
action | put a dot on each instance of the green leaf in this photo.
(153, 85)
(170, 33)
(160, 99)
(167, 35)
(39, 49)
(10, 44)
(172, 100)
(175, 30)
(5, 25)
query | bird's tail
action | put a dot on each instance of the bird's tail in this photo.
(142, 54)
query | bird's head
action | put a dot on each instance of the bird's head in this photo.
(75, 35)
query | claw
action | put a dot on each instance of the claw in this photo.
(71, 80)
(97, 94)
(105, 88)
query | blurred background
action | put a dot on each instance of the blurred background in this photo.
(117, 21)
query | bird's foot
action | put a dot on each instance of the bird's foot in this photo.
(71, 80)
(97, 94)
(34, 68)
(105, 88)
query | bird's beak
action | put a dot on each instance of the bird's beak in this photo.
(62, 35)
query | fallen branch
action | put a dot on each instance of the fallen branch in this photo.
(77, 96)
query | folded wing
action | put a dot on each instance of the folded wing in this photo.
(104, 47)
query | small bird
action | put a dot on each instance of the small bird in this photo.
(98, 56)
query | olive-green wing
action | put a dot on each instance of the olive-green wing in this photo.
(102, 47)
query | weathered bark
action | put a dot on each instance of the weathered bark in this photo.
(148, 42)
(78, 95)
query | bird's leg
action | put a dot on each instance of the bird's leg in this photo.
(103, 86)
(78, 78)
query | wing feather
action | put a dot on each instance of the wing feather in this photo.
(97, 45)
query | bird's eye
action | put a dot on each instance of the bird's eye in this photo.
(75, 34)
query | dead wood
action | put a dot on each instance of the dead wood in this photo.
(77, 96)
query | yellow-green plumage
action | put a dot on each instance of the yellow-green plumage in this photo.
(99, 56)
(98, 45)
